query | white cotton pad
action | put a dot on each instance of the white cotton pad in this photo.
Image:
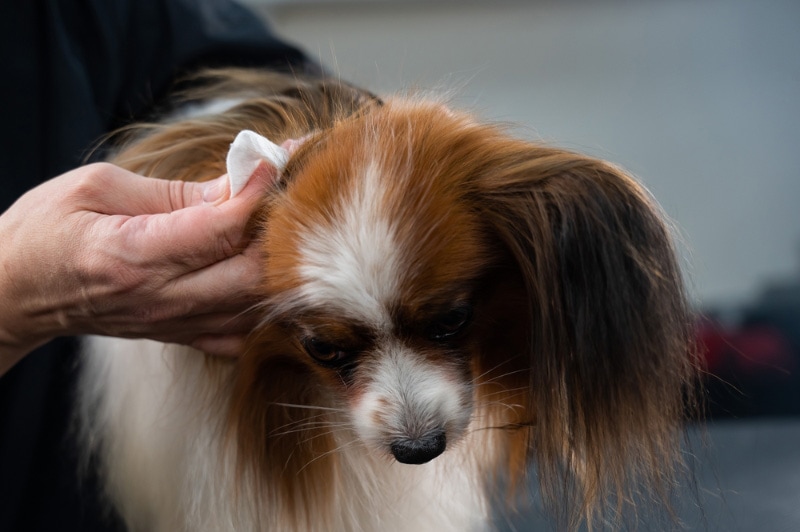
(247, 151)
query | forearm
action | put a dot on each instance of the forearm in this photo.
(25, 322)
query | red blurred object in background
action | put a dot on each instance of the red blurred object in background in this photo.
(752, 369)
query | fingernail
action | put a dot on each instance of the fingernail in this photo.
(215, 190)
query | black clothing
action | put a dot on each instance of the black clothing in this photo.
(73, 71)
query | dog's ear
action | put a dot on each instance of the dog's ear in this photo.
(608, 321)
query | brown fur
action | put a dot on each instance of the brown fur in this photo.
(580, 350)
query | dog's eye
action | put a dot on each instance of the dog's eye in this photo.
(450, 324)
(323, 352)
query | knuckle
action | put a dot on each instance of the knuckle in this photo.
(88, 185)
(228, 244)
(94, 177)
(176, 191)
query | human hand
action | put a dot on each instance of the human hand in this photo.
(100, 250)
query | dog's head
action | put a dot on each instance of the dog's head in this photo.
(428, 275)
(376, 264)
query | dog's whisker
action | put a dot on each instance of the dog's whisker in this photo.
(315, 432)
(503, 427)
(328, 433)
(479, 382)
(308, 428)
(309, 407)
(488, 371)
(503, 391)
(335, 450)
(486, 410)
(310, 419)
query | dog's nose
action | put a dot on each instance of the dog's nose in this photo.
(420, 450)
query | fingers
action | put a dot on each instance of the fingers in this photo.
(225, 225)
(230, 284)
(227, 340)
(180, 242)
(185, 329)
(184, 250)
(197, 236)
(220, 345)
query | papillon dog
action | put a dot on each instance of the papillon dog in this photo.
(444, 306)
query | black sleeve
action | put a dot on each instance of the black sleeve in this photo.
(74, 70)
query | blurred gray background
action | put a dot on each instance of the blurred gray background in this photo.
(699, 99)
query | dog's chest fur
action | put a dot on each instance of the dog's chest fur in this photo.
(168, 466)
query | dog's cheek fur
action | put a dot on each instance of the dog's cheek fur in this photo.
(281, 442)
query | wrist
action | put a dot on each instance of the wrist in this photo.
(19, 333)
(14, 347)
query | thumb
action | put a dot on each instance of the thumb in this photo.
(108, 189)
(202, 234)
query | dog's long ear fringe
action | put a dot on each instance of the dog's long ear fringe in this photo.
(610, 327)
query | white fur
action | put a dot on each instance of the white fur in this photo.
(353, 264)
(154, 415)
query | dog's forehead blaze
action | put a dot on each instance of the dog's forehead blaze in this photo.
(371, 222)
